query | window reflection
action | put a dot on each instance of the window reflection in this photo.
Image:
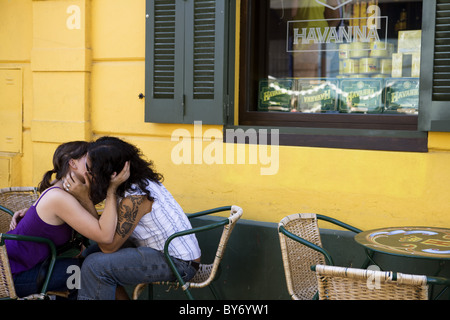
(337, 56)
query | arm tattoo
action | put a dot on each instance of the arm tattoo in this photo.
(128, 211)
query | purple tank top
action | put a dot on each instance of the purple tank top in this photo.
(24, 255)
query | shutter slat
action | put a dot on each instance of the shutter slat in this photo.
(204, 48)
(164, 49)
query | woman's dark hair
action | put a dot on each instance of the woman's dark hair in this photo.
(61, 158)
(108, 155)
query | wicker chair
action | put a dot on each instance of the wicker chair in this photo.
(207, 272)
(5, 219)
(7, 290)
(301, 247)
(12, 200)
(338, 283)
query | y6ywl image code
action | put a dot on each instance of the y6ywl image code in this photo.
(245, 309)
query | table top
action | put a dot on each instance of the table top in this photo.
(420, 242)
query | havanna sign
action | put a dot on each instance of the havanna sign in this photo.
(302, 33)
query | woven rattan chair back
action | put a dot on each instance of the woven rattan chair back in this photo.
(5, 221)
(338, 283)
(207, 272)
(14, 199)
(17, 198)
(7, 290)
(298, 258)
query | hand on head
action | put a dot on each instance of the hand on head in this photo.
(118, 179)
(76, 187)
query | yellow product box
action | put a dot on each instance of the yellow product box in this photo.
(397, 65)
(386, 66)
(344, 51)
(405, 65)
(359, 50)
(368, 65)
(409, 41)
(415, 65)
(381, 49)
(349, 66)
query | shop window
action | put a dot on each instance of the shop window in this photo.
(331, 64)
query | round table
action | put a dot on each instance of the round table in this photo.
(420, 242)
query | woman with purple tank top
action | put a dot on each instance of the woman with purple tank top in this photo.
(65, 204)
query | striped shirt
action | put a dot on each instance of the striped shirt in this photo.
(166, 218)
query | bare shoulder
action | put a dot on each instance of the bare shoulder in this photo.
(54, 195)
(53, 203)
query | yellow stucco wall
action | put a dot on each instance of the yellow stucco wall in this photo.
(81, 83)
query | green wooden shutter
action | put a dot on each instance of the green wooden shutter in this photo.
(434, 112)
(205, 61)
(164, 62)
(185, 61)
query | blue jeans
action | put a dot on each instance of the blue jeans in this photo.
(101, 272)
(31, 281)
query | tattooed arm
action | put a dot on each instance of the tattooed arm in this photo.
(130, 211)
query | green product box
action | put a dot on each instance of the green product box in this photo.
(361, 95)
(316, 95)
(276, 95)
(402, 95)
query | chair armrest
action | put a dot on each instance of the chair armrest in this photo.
(209, 211)
(438, 281)
(211, 226)
(7, 236)
(338, 223)
(308, 244)
(183, 233)
(208, 227)
(5, 209)
(187, 232)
